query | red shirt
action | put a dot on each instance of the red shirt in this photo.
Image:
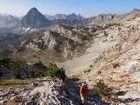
(83, 90)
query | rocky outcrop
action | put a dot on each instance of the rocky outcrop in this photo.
(47, 91)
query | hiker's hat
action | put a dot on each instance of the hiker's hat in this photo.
(84, 84)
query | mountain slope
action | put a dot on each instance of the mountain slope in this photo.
(8, 42)
(60, 42)
(119, 66)
(109, 36)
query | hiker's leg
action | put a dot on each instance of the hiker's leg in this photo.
(81, 98)
(83, 101)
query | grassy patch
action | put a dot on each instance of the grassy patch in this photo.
(114, 88)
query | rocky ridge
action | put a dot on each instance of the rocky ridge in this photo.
(102, 19)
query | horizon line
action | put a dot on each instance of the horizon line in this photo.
(19, 16)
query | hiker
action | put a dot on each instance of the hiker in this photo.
(83, 92)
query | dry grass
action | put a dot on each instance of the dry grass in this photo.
(126, 75)
(16, 83)
(118, 81)
(108, 68)
(114, 88)
(113, 72)
(115, 65)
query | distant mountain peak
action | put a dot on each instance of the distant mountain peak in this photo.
(4, 14)
(71, 16)
(9, 21)
(34, 19)
(34, 9)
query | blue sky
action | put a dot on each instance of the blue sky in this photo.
(86, 8)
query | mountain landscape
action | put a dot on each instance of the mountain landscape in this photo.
(44, 59)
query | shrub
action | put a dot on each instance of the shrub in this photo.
(54, 71)
(39, 64)
(89, 70)
(91, 66)
(30, 74)
(100, 88)
(41, 74)
(15, 74)
(2, 56)
(99, 72)
(1, 73)
(115, 65)
(17, 58)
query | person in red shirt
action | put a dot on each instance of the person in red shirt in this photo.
(83, 92)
